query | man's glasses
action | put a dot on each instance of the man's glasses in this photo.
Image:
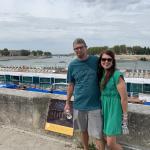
(108, 59)
(77, 48)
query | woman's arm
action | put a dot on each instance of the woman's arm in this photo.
(124, 102)
(123, 94)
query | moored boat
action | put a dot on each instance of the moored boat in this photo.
(137, 81)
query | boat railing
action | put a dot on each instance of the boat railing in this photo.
(33, 69)
(137, 74)
(59, 86)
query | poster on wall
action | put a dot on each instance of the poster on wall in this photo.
(57, 120)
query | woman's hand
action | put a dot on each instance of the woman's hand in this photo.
(125, 129)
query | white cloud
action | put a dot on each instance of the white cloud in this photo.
(53, 24)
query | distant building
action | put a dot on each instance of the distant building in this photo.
(14, 53)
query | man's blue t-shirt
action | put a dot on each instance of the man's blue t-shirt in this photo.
(83, 74)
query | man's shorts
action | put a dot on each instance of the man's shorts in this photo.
(88, 120)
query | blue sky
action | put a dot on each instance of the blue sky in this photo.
(52, 25)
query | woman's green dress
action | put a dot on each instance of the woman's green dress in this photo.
(111, 106)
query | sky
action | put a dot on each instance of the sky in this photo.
(52, 25)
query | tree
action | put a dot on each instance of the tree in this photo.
(25, 52)
(129, 50)
(96, 50)
(48, 54)
(123, 49)
(138, 50)
(116, 49)
(5, 52)
(0, 52)
(34, 53)
(39, 52)
(148, 51)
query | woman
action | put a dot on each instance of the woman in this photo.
(114, 99)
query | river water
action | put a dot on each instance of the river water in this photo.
(56, 61)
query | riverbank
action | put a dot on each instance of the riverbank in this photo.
(6, 58)
(118, 57)
(132, 57)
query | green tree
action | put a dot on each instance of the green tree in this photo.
(25, 52)
(96, 50)
(123, 49)
(129, 50)
(34, 53)
(148, 51)
(5, 52)
(138, 50)
(116, 49)
(39, 52)
(48, 54)
(0, 52)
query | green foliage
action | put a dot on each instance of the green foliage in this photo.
(116, 49)
(92, 146)
(129, 50)
(143, 59)
(34, 53)
(96, 50)
(137, 50)
(5, 52)
(25, 52)
(123, 49)
(39, 53)
(47, 54)
(120, 49)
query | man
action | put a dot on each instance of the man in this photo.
(83, 82)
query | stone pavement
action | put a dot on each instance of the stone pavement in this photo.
(17, 139)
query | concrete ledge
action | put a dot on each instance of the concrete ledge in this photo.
(23, 109)
(139, 127)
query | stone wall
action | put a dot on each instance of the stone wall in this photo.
(23, 109)
(28, 110)
(139, 127)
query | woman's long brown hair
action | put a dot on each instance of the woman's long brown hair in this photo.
(109, 72)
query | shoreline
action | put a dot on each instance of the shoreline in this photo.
(132, 57)
(6, 58)
(118, 57)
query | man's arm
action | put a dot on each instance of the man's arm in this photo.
(70, 90)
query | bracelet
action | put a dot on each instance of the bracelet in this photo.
(67, 101)
(125, 116)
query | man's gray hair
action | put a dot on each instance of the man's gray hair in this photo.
(79, 41)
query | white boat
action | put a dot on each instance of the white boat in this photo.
(136, 81)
